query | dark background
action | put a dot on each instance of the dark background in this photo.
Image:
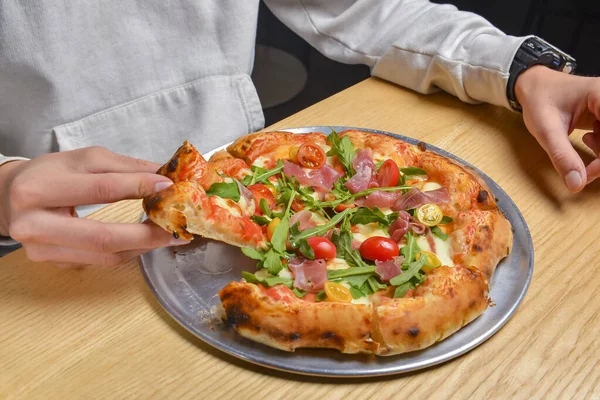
(573, 26)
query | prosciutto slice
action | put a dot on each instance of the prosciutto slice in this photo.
(415, 198)
(304, 218)
(321, 179)
(309, 275)
(403, 224)
(365, 172)
(389, 269)
(379, 199)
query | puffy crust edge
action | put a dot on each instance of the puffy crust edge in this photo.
(290, 325)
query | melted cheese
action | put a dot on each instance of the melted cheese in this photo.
(369, 230)
(428, 186)
(243, 206)
(361, 300)
(337, 263)
(286, 273)
(262, 274)
(261, 161)
(442, 249)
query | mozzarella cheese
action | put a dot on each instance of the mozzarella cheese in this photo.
(428, 186)
(236, 209)
(337, 263)
(286, 273)
(442, 249)
(369, 230)
(262, 274)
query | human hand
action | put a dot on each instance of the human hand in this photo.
(554, 104)
(37, 200)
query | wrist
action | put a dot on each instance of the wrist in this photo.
(7, 173)
(527, 81)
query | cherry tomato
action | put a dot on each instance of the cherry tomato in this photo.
(341, 207)
(323, 247)
(298, 205)
(311, 156)
(430, 214)
(379, 248)
(294, 153)
(337, 292)
(431, 262)
(271, 228)
(260, 191)
(388, 174)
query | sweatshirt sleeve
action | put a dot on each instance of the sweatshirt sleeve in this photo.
(413, 43)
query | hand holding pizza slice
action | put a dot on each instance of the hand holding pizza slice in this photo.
(364, 243)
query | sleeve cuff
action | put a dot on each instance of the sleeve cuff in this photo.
(4, 160)
(486, 70)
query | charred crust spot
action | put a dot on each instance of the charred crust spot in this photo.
(236, 317)
(482, 196)
(451, 292)
(176, 235)
(173, 164)
(396, 332)
(477, 248)
(295, 336)
(422, 146)
(414, 332)
(484, 228)
(472, 304)
(328, 335)
(152, 201)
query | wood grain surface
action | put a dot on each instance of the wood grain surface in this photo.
(97, 332)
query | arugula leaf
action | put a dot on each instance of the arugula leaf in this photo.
(321, 229)
(273, 262)
(269, 281)
(226, 190)
(305, 249)
(402, 289)
(280, 235)
(261, 175)
(365, 215)
(252, 253)
(446, 220)
(356, 293)
(260, 220)
(375, 284)
(264, 207)
(411, 248)
(321, 296)
(357, 280)
(413, 171)
(299, 293)
(438, 232)
(342, 273)
(343, 149)
(412, 270)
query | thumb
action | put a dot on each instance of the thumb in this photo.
(554, 139)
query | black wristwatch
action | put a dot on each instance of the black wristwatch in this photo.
(536, 51)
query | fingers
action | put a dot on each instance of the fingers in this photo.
(99, 160)
(89, 235)
(565, 159)
(81, 189)
(593, 170)
(66, 257)
(592, 139)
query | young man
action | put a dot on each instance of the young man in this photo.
(137, 78)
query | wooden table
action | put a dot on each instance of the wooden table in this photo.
(98, 332)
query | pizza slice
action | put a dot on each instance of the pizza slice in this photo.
(364, 243)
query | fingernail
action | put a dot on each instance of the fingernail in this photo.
(573, 180)
(162, 185)
(178, 242)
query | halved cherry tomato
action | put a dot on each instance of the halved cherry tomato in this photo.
(294, 153)
(271, 227)
(432, 261)
(311, 156)
(341, 207)
(260, 191)
(429, 214)
(323, 247)
(379, 248)
(337, 292)
(388, 174)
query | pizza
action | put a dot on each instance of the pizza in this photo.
(364, 243)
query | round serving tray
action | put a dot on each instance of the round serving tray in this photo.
(186, 280)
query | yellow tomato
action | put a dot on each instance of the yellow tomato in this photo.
(430, 214)
(337, 292)
(294, 153)
(432, 260)
(271, 227)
